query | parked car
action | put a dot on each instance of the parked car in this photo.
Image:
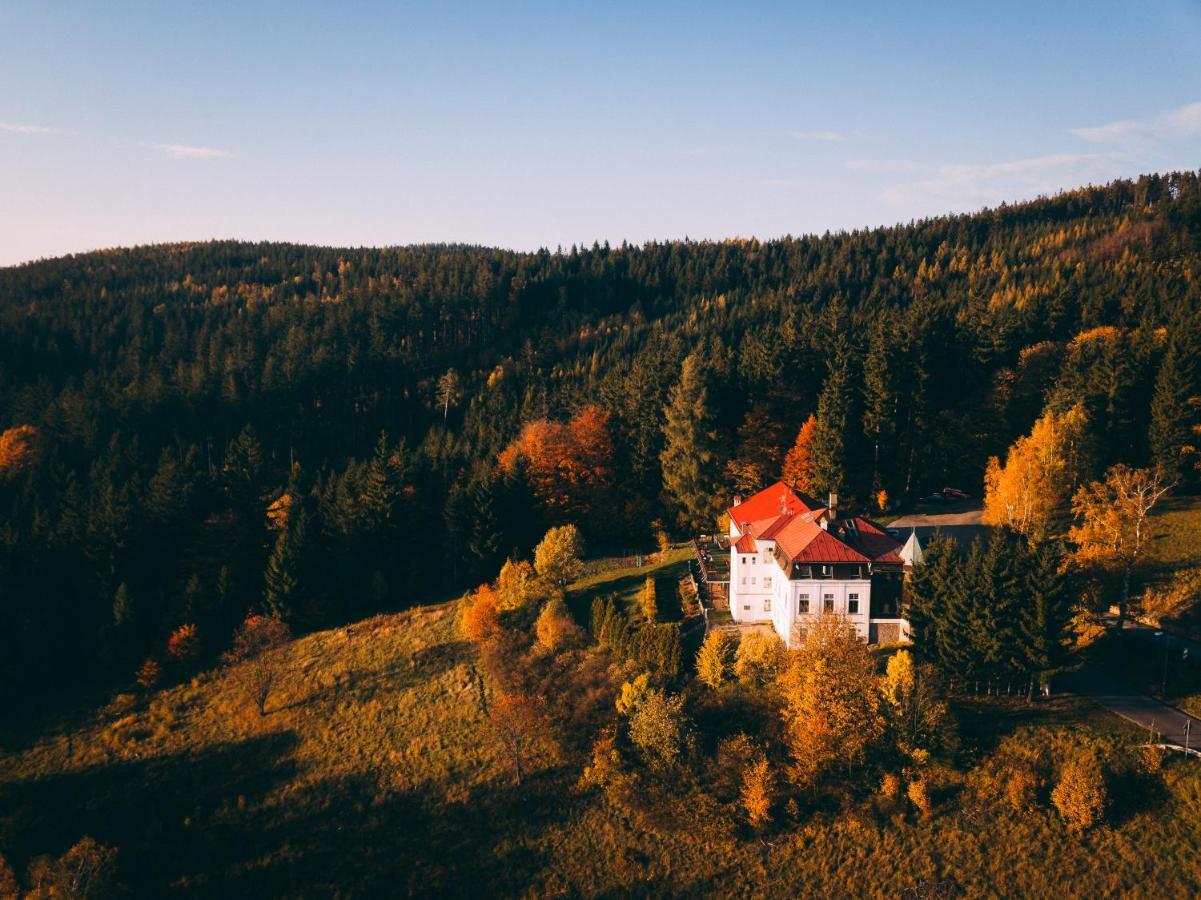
(956, 494)
(932, 498)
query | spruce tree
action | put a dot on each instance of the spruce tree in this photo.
(1044, 617)
(689, 458)
(829, 449)
(880, 404)
(1172, 413)
(283, 576)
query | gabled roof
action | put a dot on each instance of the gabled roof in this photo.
(760, 510)
(870, 539)
(746, 543)
(802, 539)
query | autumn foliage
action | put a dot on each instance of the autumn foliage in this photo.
(1030, 492)
(798, 463)
(184, 644)
(250, 668)
(478, 620)
(18, 450)
(569, 465)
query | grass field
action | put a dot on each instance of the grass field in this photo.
(372, 775)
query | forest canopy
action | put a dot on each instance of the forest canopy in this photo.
(192, 432)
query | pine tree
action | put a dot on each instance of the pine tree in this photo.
(829, 447)
(283, 576)
(689, 459)
(1174, 414)
(927, 591)
(879, 403)
(1045, 614)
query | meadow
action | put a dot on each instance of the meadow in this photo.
(373, 774)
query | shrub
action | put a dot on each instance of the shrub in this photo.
(657, 727)
(555, 629)
(890, 787)
(632, 694)
(919, 796)
(715, 659)
(478, 618)
(757, 787)
(85, 872)
(1080, 793)
(150, 673)
(1021, 788)
(184, 644)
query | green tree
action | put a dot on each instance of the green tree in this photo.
(1174, 413)
(283, 577)
(690, 458)
(829, 448)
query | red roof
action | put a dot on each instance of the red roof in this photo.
(778, 513)
(762, 509)
(746, 544)
(804, 540)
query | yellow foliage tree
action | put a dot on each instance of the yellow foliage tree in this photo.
(1030, 492)
(757, 788)
(831, 699)
(513, 584)
(557, 557)
(633, 693)
(1111, 530)
(555, 629)
(759, 658)
(1080, 793)
(715, 660)
(650, 605)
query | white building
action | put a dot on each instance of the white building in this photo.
(793, 559)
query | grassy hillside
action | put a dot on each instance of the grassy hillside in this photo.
(372, 775)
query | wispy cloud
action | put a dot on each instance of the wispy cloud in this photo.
(992, 183)
(1184, 121)
(189, 151)
(824, 136)
(20, 128)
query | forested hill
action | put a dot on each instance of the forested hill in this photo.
(192, 430)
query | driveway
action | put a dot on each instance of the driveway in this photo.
(963, 525)
(1134, 707)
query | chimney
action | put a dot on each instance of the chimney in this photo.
(737, 499)
(832, 505)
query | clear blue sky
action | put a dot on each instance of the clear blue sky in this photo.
(560, 123)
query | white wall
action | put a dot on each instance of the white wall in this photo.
(753, 578)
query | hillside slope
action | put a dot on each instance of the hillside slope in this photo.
(372, 775)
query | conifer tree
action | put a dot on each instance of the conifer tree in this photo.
(1045, 613)
(283, 576)
(927, 591)
(829, 447)
(879, 402)
(1174, 414)
(689, 458)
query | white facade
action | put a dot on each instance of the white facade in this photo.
(761, 591)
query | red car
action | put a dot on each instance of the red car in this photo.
(955, 494)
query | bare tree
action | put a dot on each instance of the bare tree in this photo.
(254, 673)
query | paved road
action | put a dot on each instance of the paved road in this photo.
(1138, 708)
(963, 525)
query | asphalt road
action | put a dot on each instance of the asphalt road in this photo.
(963, 525)
(1138, 708)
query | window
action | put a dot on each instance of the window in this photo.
(825, 571)
(852, 603)
(802, 605)
(744, 579)
(828, 603)
(767, 605)
(752, 579)
(744, 560)
(754, 560)
(767, 581)
(747, 607)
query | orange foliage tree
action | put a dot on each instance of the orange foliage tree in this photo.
(184, 644)
(1112, 530)
(798, 464)
(569, 465)
(478, 619)
(18, 449)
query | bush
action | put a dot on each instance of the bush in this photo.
(657, 727)
(555, 629)
(757, 788)
(478, 619)
(919, 796)
(715, 660)
(150, 673)
(1021, 788)
(184, 644)
(1080, 794)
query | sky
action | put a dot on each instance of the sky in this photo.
(529, 125)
